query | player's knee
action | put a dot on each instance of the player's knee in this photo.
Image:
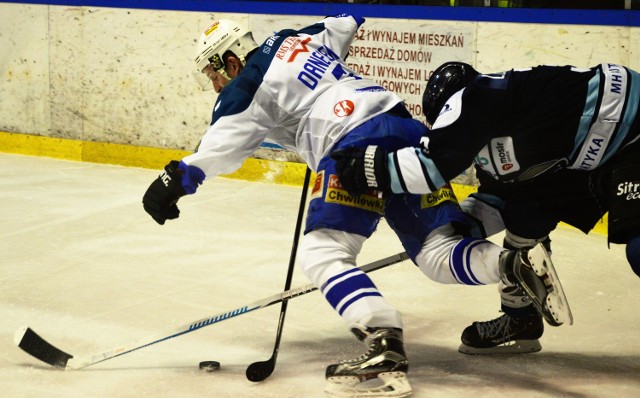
(323, 252)
(633, 254)
(433, 258)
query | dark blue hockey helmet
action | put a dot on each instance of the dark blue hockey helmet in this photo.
(445, 81)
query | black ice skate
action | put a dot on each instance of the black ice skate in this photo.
(533, 271)
(503, 335)
(380, 372)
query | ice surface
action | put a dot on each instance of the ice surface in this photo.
(84, 266)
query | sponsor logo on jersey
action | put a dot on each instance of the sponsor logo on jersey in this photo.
(292, 46)
(444, 194)
(482, 160)
(498, 157)
(503, 153)
(318, 186)
(343, 108)
(367, 201)
(268, 44)
(630, 189)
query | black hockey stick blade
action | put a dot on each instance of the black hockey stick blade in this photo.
(38, 347)
(259, 371)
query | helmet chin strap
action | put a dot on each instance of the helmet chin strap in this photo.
(223, 73)
(219, 65)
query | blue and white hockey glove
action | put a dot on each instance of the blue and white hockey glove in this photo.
(362, 169)
(163, 194)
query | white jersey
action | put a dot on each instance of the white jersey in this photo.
(295, 91)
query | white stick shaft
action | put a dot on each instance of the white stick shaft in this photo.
(84, 361)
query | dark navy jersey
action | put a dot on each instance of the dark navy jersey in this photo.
(521, 123)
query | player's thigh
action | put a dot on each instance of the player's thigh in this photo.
(414, 217)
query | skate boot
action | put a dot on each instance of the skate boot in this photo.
(380, 372)
(504, 335)
(533, 271)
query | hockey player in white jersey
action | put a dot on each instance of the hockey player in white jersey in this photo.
(550, 144)
(295, 90)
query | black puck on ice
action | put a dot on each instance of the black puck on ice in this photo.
(209, 366)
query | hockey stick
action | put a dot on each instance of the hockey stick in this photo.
(39, 348)
(259, 371)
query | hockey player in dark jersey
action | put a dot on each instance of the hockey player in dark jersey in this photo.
(549, 144)
(295, 90)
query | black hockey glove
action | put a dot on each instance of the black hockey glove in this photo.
(163, 194)
(362, 169)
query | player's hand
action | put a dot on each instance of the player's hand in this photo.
(362, 169)
(163, 194)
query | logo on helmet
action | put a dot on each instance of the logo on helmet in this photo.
(211, 28)
(446, 108)
(216, 62)
(448, 79)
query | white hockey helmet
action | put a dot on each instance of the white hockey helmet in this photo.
(221, 36)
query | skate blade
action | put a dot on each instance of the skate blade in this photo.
(394, 384)
(557, 305)
(510, 348)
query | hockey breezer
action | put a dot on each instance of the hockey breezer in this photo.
(34, 345)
